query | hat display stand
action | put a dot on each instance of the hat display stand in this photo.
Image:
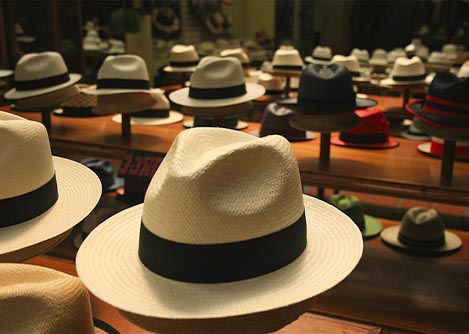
(126, 129)
(218, 113)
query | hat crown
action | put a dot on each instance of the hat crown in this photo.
(123, 67)
(438, 57)
(238, 53)
(361, 54)
(350, 62)
(271, 82)
(161, 101)
(447, 86)
(34, 66)
(288, 56)
(180, 52)
(220, 186)
(322, 51)
(422, 224)
(26, 159)
(408, 67)
(217, 72)
(36, 299)
(373, 121)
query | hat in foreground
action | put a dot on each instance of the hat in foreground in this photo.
(225, 226)
(217, 82)
(41, 197)
(421, 232)
(36, 299)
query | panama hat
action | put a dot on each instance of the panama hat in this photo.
(182, 58)
(439, 58)
(158, 114)
(116, 47)
(450, 50)
(35, 299)
(126, 102)
(444, 112)
(206, 48)
(395, 54)
(463, 71)
(326, 100)
(352, 65)
(5, 73)
(238, 53)
(287, 60)
(217, 82)
(373, 132)
(121, 74)
(321, 55)
(48, 100)
(421, 232)
(79, 105)
(352, 207)
(362, 55)
(214, 233)
(435, 148)
(406, 71)
(40, 73)
(20, 35)
(276, 121)
(67, 190)
(422, 52)
(379, 57)
(274, 85)
(229, 122)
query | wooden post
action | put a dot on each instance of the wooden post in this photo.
(406, 97)
(125, 126)
(449, 151)
(46, 119)
(218, 121)
(325, 147)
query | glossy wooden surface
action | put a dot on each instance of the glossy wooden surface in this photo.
(401, 171)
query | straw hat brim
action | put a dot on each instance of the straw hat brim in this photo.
(391, 82)
(13, 94)
(5, 73)
(425, 148)
(311, 60)
(108, 264)
(308, 136)
(174, 117)
(79, 191)
(181, 97)
(181, 69)
(390, 237)
(373, 227)
(239, 126)
(389, 144)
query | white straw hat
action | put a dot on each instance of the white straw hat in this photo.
(121, 74)
(379, 58)
(40, 73)
(41, 196)
(182, 58)
(439, 58)
(36, 299)
(362, 55)
(274, 85)
(464, 70)
(217, 82)
(352, 65)
(158, 114)
(287, 59)
(238, 53)
(406, 71)
(218, 198)
(321, 55)
(395, 54)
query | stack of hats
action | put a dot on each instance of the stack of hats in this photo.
(80, 105)
(260, 252)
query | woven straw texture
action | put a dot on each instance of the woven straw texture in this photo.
(39, 300)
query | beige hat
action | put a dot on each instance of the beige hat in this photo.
(395, 54)
(379, 58)
(40, 73)
(121, 74)
(274, 85)
(185, 257)
(439, 58)
(5, 73)
(217, 82)
(158, 114)
(463, 71)
(352, 65)
(287, 59)
(182, 58)
(406, 71)
(41, 197)
(362, 55)
(321, 55)
(238, 53)
(35, 299)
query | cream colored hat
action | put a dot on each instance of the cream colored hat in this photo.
(362, 55)
(464, 70)
(287, 59)
(450, 50)
(182, 58)
(5, 73)
(422, 52)
(206, 48)
(379, 58)
(158, 114)
(40, 300)
(406, 72)
(321, 55)
(351, 64)
(238, 53)
(185, 257)
(439, 58)
(40, 73)
(121, 74)
(395, 54)
(217, 82)
(274, 85)
(41, 197)
(116, 47)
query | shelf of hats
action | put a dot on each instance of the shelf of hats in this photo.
(227, 185)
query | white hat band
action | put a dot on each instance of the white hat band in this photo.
(222, 262)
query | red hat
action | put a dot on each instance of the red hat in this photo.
(372, 132)
(435, 148)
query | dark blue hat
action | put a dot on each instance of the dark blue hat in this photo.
(105, 171)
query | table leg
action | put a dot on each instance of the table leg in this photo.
(125, 126)
(449, 150)
(325, 147)
(46, 119)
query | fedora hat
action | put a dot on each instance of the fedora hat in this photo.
(206, 48)
(287, 59)
(352, 207)
(326, 100)
(422, 52)
(393, 55)
(414, 133)
(40, 73)
(406, 71)
(41, 196)
(352, 65)
(463, 71)
(321, 55)
(372, 132)
(210, 240)
(435, 147)
(274, 85)
(48, 100)
(182, 58)
(121, 74)
(238, 53)
(79, 105)
(444, 112)
(217, 82)
(421, 232)
(116, 47)
(362, 55)
(276, 121)
(36, 299)
(125, 103)
(450, 50)
(5, 73)
(229, 122)
(379, 57)
(105, 171)
(159, 113)
(439, 58)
